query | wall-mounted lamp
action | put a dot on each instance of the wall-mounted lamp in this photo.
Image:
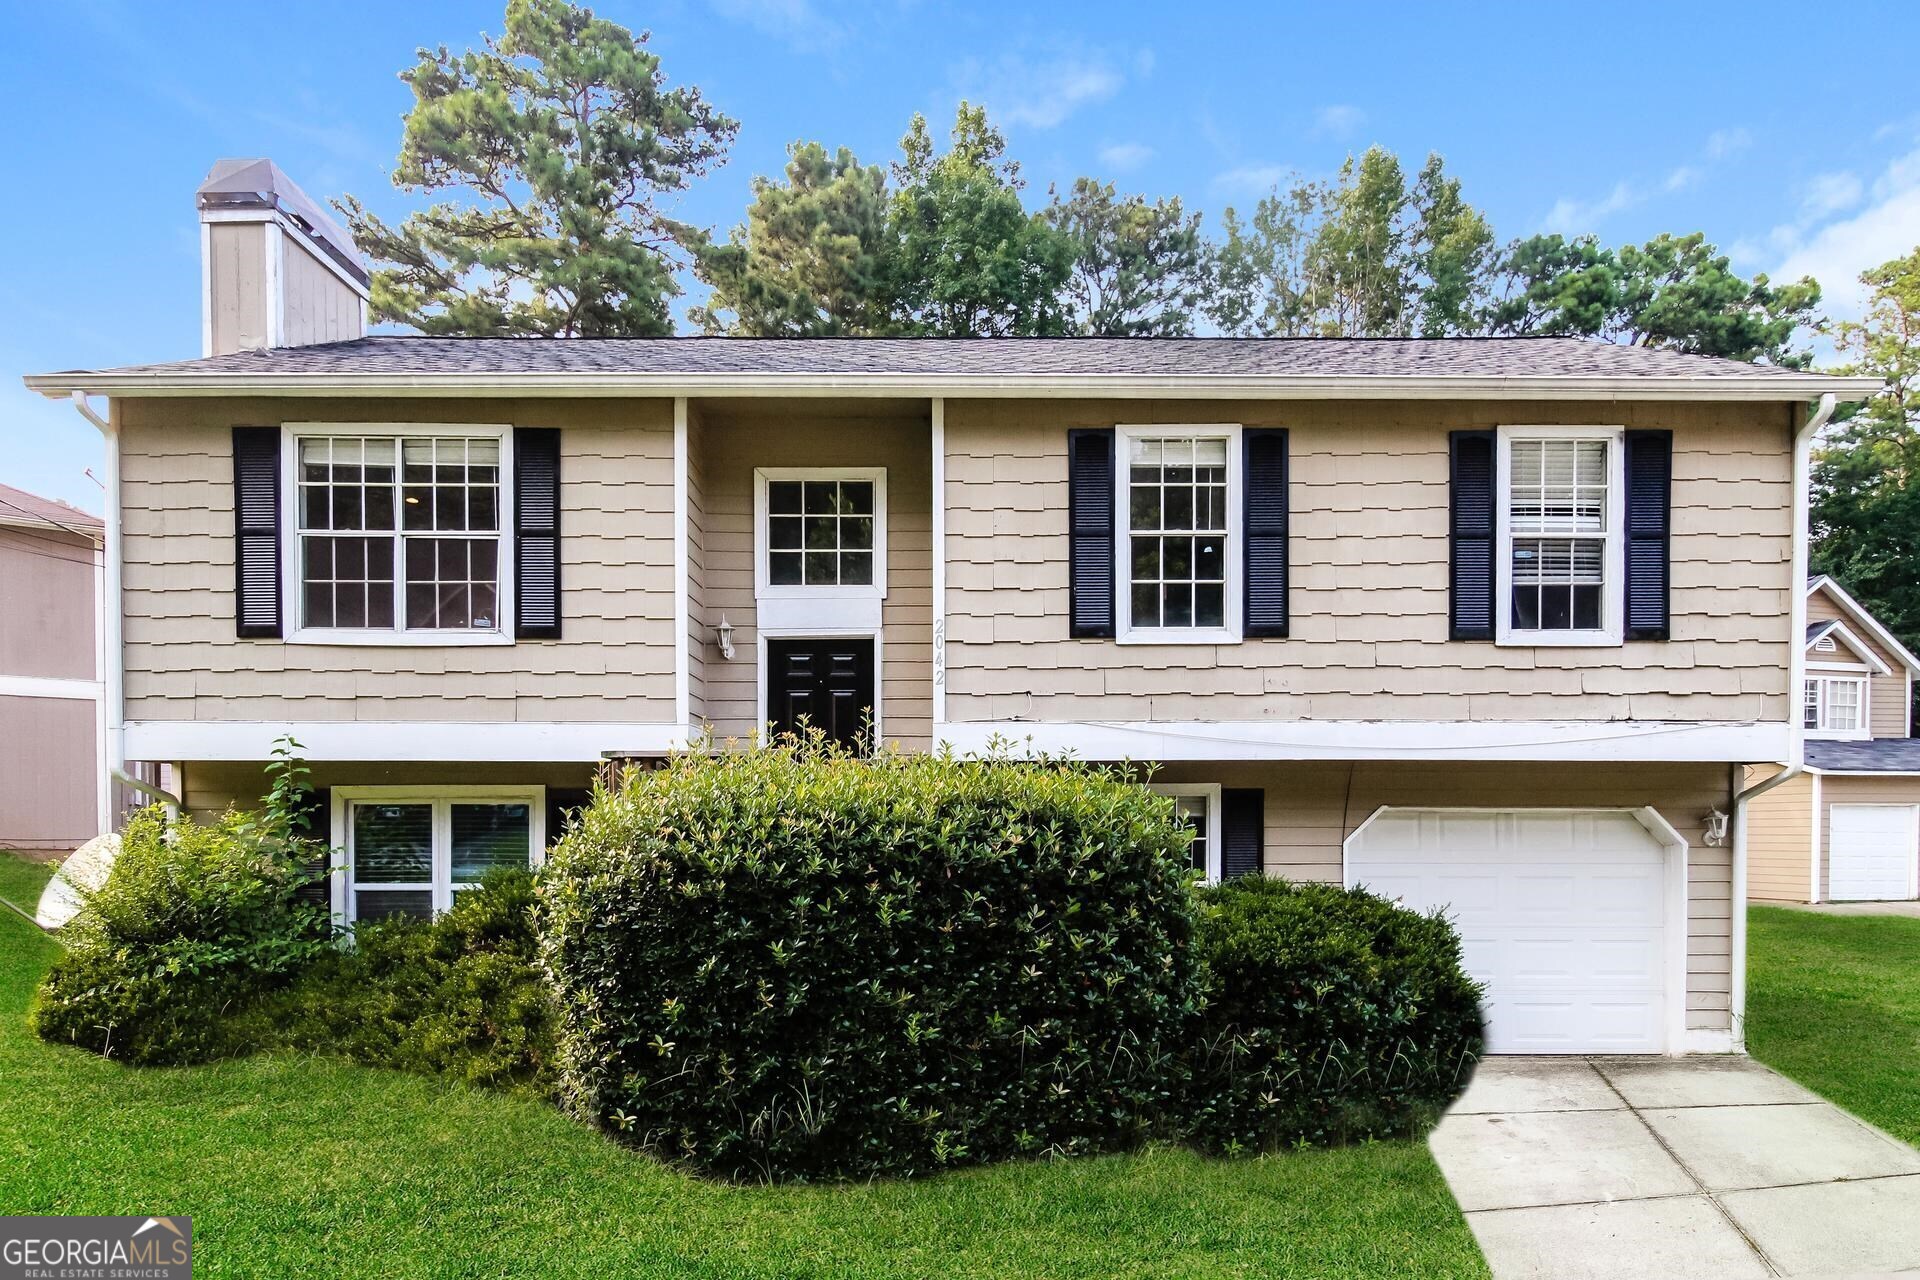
(1716, 828)
(723, 636)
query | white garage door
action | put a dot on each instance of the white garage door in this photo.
(1561, 914)
(1873, 854)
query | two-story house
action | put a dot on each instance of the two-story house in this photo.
(1846, 826)
(1489, 625)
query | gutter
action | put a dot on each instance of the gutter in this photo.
(113, 664)
(748, 384)
(1796, 677)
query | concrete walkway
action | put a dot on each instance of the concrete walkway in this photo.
(1701, 1167)
(1896, 908)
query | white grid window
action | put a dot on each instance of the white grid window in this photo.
(820, 533)
(409, 855)
(1177, 531)
(1835, 704)
(399, 533)
(1197, 806)
(1558, 513)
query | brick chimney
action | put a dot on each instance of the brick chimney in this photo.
(275, 269)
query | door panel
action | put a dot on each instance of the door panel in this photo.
(1873, 852)
(825, 684)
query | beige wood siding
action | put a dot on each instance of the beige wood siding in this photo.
(237, 284)
(207, 788)
(47, 604)
(1887, 695)
(1779, 838)
(740, 437)
(701, 646)
(49, 773)
(614, 663)
(1312, 808)
(318, 305)
(1369, 559)
(1836, 789)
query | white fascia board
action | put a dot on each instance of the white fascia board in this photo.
(1773, 389)
(533, 742)
(48, 687)
(1865, 773)
(1517, 740)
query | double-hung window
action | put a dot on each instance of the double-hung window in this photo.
(1835, 706)
(1179, 555)
(1559, 565)
(1196, 805)
(398, 534)
(407, 853)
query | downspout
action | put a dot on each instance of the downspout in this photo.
(1796, 678)
(113, 668)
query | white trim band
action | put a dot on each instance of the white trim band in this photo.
(530, 742)
(1377, 740)
(49, 687)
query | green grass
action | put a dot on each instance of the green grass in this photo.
(21, 880)
(310, 1166)
(1834, 1002)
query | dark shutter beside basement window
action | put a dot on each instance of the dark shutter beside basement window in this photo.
(256, 517)
(1090, 519)
(1649, 505)
(536, 533)
(1471, 535)
(1264, 515)
(1242, 831)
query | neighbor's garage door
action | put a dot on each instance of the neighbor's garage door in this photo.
(1873, 855)
(1561, 914)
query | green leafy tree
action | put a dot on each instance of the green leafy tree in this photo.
(1676, 292)
(968, 259)
(561, 134)
(813, 257)
(1866, 473)
(1139, 269)
(1366, 255)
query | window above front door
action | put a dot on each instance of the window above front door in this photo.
(820, 538)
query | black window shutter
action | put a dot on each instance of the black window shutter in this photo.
(536, 533)
(319, 826)
(1471, 535)
(256, 532)
(1263, 512)
(1649, 470)
(1243, 820)
(1090, 532)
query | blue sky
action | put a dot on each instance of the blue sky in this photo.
(1788, 141)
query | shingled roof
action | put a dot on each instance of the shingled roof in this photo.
(917, 363)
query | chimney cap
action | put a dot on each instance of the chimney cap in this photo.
(259, 183)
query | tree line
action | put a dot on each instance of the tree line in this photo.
(554, 148)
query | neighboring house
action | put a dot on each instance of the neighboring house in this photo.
(1493, 625)
(1848, 827)
(53, 784)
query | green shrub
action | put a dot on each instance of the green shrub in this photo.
(1329, 1015)
(195, 924)
(457, 996)
(786, 963)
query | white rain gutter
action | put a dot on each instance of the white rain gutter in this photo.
(114, 662)
(1796, 678)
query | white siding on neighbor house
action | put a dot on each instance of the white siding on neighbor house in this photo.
(1887, 695)
(614, 662)
(1369, 555)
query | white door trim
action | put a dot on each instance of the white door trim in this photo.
(820, 633)
(1676, 923)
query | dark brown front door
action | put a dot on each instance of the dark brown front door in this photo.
(824, 684)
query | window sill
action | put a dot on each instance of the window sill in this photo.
(1558, 640)
(1192, 635)
(1838, 735)
(400, 639)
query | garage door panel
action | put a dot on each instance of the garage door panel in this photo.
(1872, 852)
(1561, 917)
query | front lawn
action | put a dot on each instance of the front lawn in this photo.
(1834, 1002)
(302, 1165)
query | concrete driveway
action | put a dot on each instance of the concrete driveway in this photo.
(1658, 1167)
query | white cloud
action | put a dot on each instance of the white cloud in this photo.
(1726, 142)
(1250, 179)
(1829, 193)
(795, 23)
(1680, 179)
(1123, 157)
(1338, 121)
(1038, 92)
(1836, 252)
(1571, 216)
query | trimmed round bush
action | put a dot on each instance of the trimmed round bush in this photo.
(785, 963)
(1329, 1015)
